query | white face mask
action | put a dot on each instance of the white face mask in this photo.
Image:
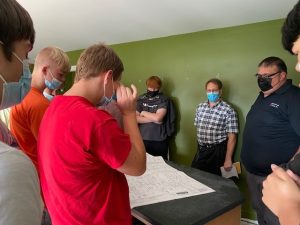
(14, 92)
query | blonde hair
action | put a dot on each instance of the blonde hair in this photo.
(97, 59)
(54, 55)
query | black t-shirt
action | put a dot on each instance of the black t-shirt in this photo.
(272, 130)
(152, 131)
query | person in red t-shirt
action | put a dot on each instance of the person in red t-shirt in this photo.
(83, 153)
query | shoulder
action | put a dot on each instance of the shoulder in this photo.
(227, 107)
(99, 117)
(294, 90)
(16, 164)
(163, 97)
(35, 99)
(142, 97)
(202, 105)
(291, 96)
(287, 90)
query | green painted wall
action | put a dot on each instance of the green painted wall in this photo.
(185, 62)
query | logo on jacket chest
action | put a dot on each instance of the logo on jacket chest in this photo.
(274, 105)
(150, 106)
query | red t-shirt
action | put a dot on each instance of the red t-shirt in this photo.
(79, 148)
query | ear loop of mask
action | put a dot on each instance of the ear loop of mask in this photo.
(278, 81)
(13, 54)
(2, 78)
(21, 61)
(17, 57)
(54, 80)
(112, 81)
(51, 74)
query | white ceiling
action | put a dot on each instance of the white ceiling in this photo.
(76, 24)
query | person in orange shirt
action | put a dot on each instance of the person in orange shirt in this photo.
(50, 69)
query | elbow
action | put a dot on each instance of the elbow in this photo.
(135, 165)
(158, 120)
(139, 171)
(142, 166)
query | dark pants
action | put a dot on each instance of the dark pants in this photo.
(157, 148)
(210, 157)
(264, 214)
(46, 220)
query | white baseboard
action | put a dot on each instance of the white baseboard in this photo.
(245, 221)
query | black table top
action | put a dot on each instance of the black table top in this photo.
(195, 210)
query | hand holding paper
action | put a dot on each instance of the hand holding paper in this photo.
(233, 172)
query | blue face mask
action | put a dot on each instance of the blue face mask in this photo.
(14, 92)
(213, 96)
(48, 96)
(105, 100)
(54, 83)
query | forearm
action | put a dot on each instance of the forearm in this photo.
(131, 128)
(153, 117)
(229, 151)
(230, 146)
(290, 215)
(141, 119)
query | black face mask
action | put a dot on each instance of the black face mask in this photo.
(264, 83)
(151, 94)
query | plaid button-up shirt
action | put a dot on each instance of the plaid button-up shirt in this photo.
(214, 124)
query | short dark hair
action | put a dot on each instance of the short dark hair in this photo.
(216, 82)
(291, 28)
(274, 61)
(15, 25)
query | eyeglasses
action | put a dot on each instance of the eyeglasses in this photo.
(267, 76)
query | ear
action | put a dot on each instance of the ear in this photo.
(283, 75)
(44, 70)
(108, 76)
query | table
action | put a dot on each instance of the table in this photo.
(220, 207)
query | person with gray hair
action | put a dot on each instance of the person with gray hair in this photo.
(281, 189)
(272, 131)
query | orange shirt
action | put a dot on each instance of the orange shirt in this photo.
(25, 119)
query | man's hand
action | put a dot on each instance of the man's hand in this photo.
(126, 99)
